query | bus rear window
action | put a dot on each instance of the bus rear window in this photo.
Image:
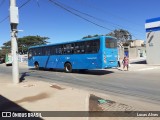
(111, 43)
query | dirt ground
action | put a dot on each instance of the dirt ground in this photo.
(93, 103)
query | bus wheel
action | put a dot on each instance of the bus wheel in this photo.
(36, 65)
(68, 68)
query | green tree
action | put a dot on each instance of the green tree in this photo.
(25, 42)
(3, 51)
(121, 34)
(88, 36)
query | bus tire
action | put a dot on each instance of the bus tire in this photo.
(36, 65)
(68, 68)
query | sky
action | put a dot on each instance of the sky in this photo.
(44, 18)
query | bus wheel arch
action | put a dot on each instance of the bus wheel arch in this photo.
(68, 67)
(36, 65)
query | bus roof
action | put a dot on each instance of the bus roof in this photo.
(86, 39)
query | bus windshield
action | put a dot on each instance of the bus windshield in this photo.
(111, 43)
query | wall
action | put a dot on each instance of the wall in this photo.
(23, 58)
(137, 43)
(134, 52)
(153, 47)
(137, 52)
(153, 40)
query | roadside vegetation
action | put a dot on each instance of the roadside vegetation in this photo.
(123, 36)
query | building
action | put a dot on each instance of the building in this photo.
(135, 49)
(153, 40)
(137, 43)
(23, 58)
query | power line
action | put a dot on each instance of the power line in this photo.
(38, 3)
(113, 15)
(113, 24)
(87, 14)
(2, 2)
(64, 7)
(19, 8)
(24, 4)
(119, 18)
(4, 19)
(79, 15)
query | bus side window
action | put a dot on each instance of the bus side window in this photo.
(34, 52)
(56, 50)
(43, 50)
(76, 48)
(69, 48)
(72, 48)
(79, 47)
(107, 44)
(60, 49)
(52, 50)
(92, 46)
(96, 45)
(38, 51)
(88, 46)
(64, 49)
(82, 47)
(48, 50)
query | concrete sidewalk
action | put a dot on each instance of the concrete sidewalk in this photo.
(139, 64)
(33, 95)
(142, 67)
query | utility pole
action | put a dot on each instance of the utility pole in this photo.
(14, 20)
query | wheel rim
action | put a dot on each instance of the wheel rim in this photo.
(68, 68)
(36, 66)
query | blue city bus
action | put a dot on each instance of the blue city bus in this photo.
(91, 53)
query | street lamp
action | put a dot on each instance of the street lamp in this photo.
(14, 20)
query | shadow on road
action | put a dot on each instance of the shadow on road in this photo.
(23, 75)
(95, 72)
(9, 106)
(85, 72)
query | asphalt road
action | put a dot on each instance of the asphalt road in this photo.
(144, 85)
